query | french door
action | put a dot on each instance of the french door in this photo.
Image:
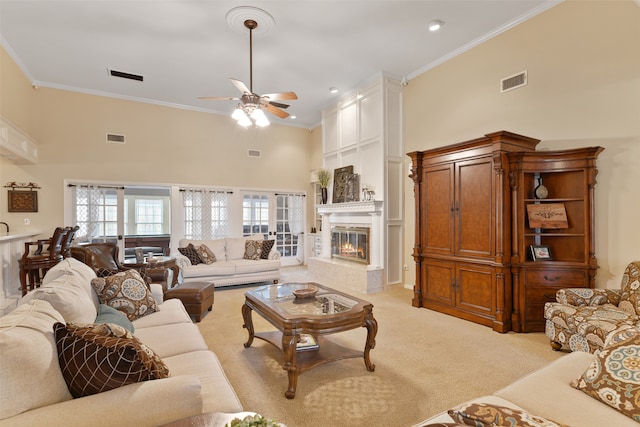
(278, 217)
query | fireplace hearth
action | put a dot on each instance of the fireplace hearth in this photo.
(350, 243)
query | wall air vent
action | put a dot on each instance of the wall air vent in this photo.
(115, 138)
(254, 153)
(124, 75)
(513, 82)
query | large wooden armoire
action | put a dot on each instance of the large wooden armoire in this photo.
(463, 228)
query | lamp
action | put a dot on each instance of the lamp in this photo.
(249, 113)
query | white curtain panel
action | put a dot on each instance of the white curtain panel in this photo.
(205, 214)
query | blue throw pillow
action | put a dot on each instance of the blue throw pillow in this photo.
(108, 314)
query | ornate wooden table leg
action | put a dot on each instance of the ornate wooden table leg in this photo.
(372, 329)
(289, 340)
(248, 323)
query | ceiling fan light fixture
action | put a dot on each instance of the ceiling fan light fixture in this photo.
(238, 113)
(245, 121)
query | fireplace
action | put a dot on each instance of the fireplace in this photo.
(350, 243)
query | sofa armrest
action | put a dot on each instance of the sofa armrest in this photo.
(157, 292)
(580, 297)
(181, 260)
(149, 403)
(273, 254)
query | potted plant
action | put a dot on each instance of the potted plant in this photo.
(323, 179)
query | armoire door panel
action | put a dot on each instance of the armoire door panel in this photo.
(438, 279)
(474, 208)
(438, 235)
(475, 288)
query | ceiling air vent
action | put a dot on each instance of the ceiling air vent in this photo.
(254, 153)
(115, 138)
(513, 82)
(123, 75)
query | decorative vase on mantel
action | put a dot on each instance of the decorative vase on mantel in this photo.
(324, 194)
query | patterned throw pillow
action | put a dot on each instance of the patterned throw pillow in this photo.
(486, 414)
(206, 255)
(266, 248)
(97, 358)
(252, 249)
(127, 292)
(614, 377)
(192, 253)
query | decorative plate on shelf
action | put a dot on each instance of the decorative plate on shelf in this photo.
(306, 292)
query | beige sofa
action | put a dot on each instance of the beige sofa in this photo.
(548, 393)
(230, 267)
(34, 392)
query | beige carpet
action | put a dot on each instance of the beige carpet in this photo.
(426, 362)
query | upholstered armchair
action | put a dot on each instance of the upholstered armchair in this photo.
(581, 319)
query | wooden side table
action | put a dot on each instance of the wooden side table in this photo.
(159, 262)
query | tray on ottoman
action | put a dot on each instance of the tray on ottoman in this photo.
(197, 297)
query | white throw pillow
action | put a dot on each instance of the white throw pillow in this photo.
(30, 375)
(235, 247)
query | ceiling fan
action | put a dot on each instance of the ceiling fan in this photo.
(251, 104)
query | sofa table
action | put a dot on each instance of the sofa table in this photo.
(159, 262)
(328, 312)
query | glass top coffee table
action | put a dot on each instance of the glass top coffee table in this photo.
(327, 312)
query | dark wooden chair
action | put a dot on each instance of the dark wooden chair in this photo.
(35, 263)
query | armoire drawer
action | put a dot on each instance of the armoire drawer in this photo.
(556, 278)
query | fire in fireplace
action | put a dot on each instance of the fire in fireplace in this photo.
(350, 243)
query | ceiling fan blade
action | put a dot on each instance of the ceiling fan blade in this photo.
(240, 86)
(275, 110)
(278, 104)
(218, 98)
(280, 96)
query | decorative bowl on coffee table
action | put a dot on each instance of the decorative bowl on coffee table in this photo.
(306, 292)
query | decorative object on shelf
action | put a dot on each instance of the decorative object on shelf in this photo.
(540, 253)
(21, 200)
(541, 191)
(340, 183)
(367, 194)
(323, 179)
(139, 255)
(306, 342)
(352, 193)
(547, 215)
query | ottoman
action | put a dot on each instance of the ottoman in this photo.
(197, 297)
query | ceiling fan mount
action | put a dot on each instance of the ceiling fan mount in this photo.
(251, 101)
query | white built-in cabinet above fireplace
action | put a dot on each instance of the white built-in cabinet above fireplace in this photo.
(364, 129)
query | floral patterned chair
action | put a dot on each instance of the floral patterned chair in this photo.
(582, 318)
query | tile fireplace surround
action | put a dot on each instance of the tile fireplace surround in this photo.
(356, 276)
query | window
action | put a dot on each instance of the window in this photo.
(96, 211)
(148, 216)
(255, 214)
(206, 214)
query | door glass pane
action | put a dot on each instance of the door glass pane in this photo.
(255, 215)
(286, 241)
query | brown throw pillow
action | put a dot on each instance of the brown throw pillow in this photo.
(614, 377)
(192, 253)
(266, 248)
(206, 255)
(486, 414)
(252, 249)
(97, 358)
(127, 292)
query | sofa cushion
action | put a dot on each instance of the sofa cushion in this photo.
(267, 245)
(206, 255)
(170, 340)
(486, 414)
(29, 374)
(614, 376)
(252, 249)
(127, 292)
(108, 314)
(245, 266)
(219, 268)
(169, 312)
(191, 253)
(79, 270)
(98, 358)
(68, 296)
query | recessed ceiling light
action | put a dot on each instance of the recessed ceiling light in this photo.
(292, 117)
(435, 25)
(333, 90)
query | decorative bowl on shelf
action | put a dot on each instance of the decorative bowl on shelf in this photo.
(306, 292)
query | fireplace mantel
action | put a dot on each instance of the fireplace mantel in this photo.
(367, 206)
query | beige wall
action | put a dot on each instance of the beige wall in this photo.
(164, 146)
(583, 63)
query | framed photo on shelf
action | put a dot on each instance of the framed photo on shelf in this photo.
(540, 253)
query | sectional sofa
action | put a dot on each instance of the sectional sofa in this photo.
(33, 390)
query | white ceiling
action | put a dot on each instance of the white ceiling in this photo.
(185, 48)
